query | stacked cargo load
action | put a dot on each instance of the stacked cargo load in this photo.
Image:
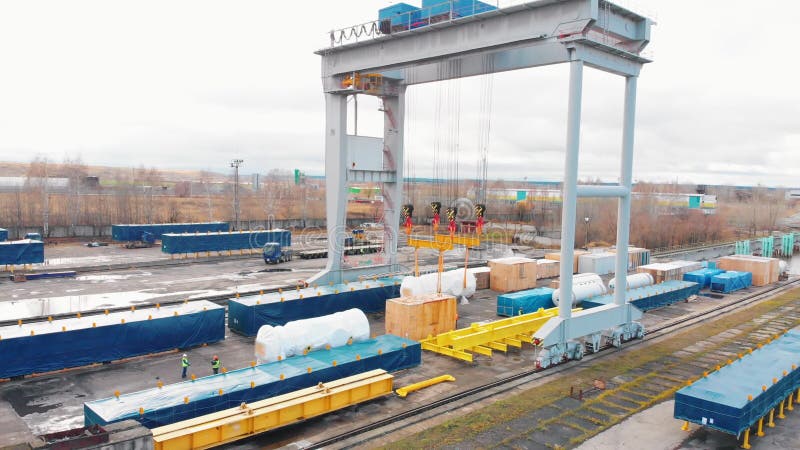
(25, 251)
(512, 274)
(576, 255)
(172, 243)
(636, 257)
(672, 270)
(702, 276)
(547, 268)
(189, 399)
(63, 343)
(601, 263)
(765, 270)
(524, 302)
(731, 281)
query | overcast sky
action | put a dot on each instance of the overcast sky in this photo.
(194, 84)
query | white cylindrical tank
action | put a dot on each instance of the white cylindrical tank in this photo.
(584, 278)
(634, 281)
(310, 334)
(452, 283)
(582, 291)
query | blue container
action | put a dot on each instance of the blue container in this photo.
(3, 234)
(702, 276)
(25, 251)
(399, 13)
(459, 8)
(720, 400)
(524, 302)
(731, 281)
(247, 314)
(144, 331)
(135, 232)
(222, 241)
(650, 297)
(166, 405)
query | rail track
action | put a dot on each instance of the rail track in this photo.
(474, 395)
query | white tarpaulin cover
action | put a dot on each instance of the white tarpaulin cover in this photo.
(311, 334)
(452, 283)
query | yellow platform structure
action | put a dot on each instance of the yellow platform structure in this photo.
(482, 338)
(442, 243)
(238, 423)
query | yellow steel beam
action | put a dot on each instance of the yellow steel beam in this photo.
(238, 423)
(427, 243)
(467, 241)
(481, 350)
(497, 346)
(512, 342)
(447, 351)
(404, 391)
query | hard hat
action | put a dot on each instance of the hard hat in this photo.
(215, 357)
(184, 355)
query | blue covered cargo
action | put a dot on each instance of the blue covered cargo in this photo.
(731, 281)
(135, 232)
(399, 14)
(720, 400)
(166, 405)
(80, 341)
(702, 276)
(26, 251)
(247, 314)
(3, 234)
(222, 241)
(524, 302)
(459, 8)
(650, 297)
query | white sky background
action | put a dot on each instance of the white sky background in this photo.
(194, 84)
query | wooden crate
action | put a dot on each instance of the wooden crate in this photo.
(765, 270)
(672, 270)
(557, 257)
(481, 277)
(512, 274)
(421, 316)
(547, 268)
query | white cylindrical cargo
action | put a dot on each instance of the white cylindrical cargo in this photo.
(582, 291)
(783, 266)
(299, 336)
(452, 283)
(586, 278)
(634, 281)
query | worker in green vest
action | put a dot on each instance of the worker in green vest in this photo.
(185, 364)
(215, 364)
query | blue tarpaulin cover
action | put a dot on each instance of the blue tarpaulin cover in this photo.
(650, 297)
(166, 405)
(702, 276)
(3, 234)
(217, 242)
(524, 302)
(26, 251)
(720, 400)
(731, 281)
(247, 314)
(133, 232)
(101, 338)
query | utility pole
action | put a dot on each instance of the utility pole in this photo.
(235, 164)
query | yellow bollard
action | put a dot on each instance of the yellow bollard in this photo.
(685, 426)
(789, 403)
(760, 432)
(771, 422)
(746, 441)
(780, 411)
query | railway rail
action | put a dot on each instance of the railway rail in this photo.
(491, 389)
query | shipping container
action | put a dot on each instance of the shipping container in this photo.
(3, 234)
(166, 405)
(26, 251)
(135, 232)
(524, 302)
(222, 241)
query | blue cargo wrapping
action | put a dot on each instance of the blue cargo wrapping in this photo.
(731, 281)
(650, 297)
(166, 405)
(26, 251)
(399, 13)
(720, 400)
(49, 275)
(524, 302)
(135, 232)
(459, 8)
(3, 234)
(247, 314)
(45, 346)
(702, 276)
(173, 243)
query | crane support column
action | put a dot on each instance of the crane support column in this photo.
(569, 195)
(626, 180)
(393, 126)
(335, 180)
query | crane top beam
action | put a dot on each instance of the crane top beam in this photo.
(600, 33)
